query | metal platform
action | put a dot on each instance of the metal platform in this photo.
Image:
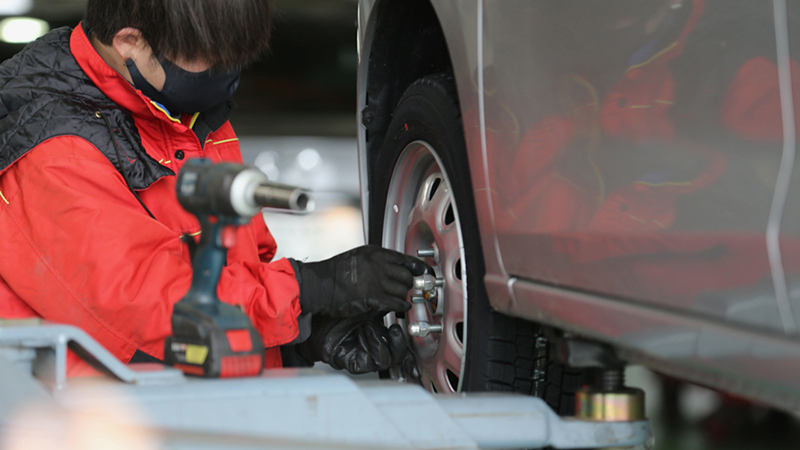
(287, 408)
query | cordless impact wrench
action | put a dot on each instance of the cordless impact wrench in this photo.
(210, 338)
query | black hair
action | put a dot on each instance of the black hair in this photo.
(225, 34)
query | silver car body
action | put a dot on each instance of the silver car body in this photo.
(687, 259)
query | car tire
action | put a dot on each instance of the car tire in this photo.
(412, 211)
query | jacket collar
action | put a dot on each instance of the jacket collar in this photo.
(108, 80)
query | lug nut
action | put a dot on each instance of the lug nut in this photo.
(426, 253)
(422, 329)
(426, 282)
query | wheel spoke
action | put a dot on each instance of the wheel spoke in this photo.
(449, 245)
(451, 354)
(451, 261)
(430, 208)
(453, 303)
(445, 385)
(427, 379)
(438, 203)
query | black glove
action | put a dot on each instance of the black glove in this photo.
(368, 279)
(358, 344)
(410, 370)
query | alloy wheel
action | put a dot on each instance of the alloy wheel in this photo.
(421, 219)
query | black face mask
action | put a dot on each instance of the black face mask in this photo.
(187, 92)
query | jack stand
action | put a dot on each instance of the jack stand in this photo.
(609, 400)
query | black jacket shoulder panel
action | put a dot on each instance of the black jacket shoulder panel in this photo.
(44, 93)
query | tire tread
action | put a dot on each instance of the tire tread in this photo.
(518, 353)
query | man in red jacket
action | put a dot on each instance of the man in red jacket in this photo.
(94, 124)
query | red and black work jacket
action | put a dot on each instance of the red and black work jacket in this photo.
(78, 247)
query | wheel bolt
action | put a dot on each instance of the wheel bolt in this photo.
(417, 299)
(422, 329)
(426, 253)
(439, 282)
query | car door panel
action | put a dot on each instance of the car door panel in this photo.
(636, 161)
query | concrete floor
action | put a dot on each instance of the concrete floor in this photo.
(685, 417)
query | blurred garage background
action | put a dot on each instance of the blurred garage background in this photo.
(297, 123)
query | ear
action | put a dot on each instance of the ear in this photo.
(129, 44)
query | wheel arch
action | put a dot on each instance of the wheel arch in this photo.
(400, 42)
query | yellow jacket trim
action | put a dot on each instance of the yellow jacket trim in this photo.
(194, 119)
(4, 198)
(226, 140)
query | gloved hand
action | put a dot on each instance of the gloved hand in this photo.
(410, 370)
(368, 279)
(359, 344)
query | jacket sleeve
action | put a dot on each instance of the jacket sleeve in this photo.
(86, 254)
(266, 243)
